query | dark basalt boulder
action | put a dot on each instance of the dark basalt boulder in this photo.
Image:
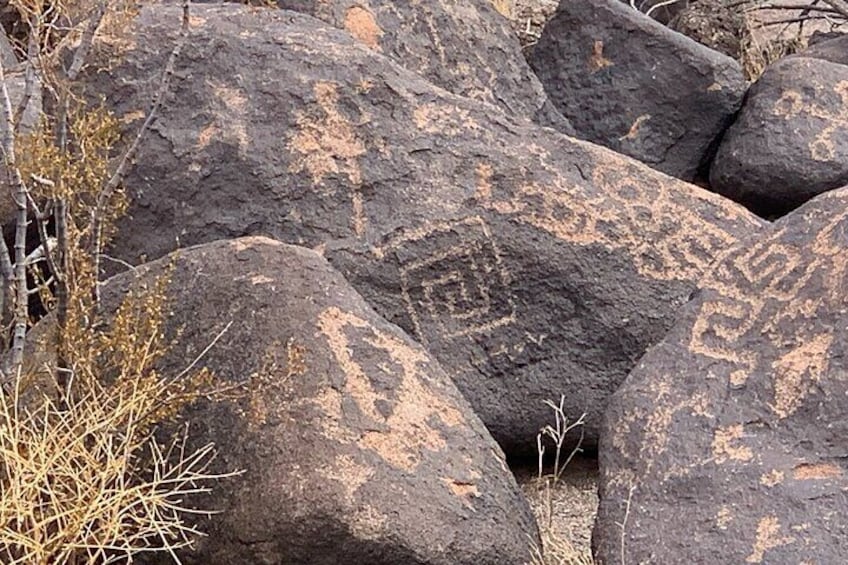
(355, 445)
(631, 84)
(528, 263)
(790, 141)
(465, 47)
(730, 438)
(828, 47)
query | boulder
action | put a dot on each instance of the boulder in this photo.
(730, 438)
(466, 47)
(354, 444)
(530, 264)
(829, 47)
(790, 141)
(629, 83)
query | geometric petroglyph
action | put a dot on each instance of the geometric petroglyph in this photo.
(792, 104)
(776, 288)
(647, 220)
(453, 279)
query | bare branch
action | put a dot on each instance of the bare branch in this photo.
(121, 170)
(29, 85)
(87, 39)
(18, 186)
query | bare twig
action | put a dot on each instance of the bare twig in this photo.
(203, 353)
(29, 81)
(623, 524)
(81, 52)
(20, 196)
(121, 170)
(660, 5)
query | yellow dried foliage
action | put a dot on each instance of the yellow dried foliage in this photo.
(505, 7)
(82, 477)
(75, 174)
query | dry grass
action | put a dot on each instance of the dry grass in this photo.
(83, 479)
(760, 49)
(565, 511)
(83, 482)
(564, 499)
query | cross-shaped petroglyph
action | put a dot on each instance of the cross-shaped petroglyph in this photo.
(326, 143)
(792, 104)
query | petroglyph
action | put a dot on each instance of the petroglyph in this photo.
(466, 490)
(768, 537)
(597, 61)
(797, 372)
(361, 24)
(349, 474)
(633, 132)
(763, 288)
(397, 424)
(454, 282)
(723, 518)
(229, 121)
(816, 472)
(727, 445)
(792, 104)
(326, 143)
(444, 119)
(772, 478)
(665, 239)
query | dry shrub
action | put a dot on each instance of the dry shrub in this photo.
(505, 7)
(557, 548)
(83, 477)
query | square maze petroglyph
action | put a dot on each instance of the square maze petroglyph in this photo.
(453, 280)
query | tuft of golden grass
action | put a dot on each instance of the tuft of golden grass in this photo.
(84, 482)
(505, 7)
(82, 476)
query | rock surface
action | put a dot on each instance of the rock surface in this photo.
(790, 141)
(834, 49)
(629, 83)
(466, 47)
(355, 445)
(730, 439)
(530, 264)
(717, 24)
